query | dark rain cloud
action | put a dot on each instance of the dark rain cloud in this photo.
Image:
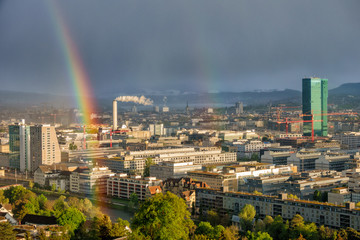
(203, 45)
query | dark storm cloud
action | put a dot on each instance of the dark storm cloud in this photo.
(187, 45)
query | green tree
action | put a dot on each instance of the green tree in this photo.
(3, 199)
(164, 216)
(258, 236)
(230, 233)
(317, 195)
(134, 200)
(213, 217)
(247, 215)
(7, 231)
(119, 229)
(148, 163)
(324, 197)
(53, 187)
(326, 233)
(17, 193)
(31, 184)
(72, 146)
(71, 218)
(257, 193)
(59, 206)
(268, 220)
(278, 230)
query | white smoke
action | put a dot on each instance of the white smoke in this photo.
(135, 99)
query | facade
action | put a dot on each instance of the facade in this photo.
(122, 186)
(239, 107)
(330, 215)
(333, 161)
(44, 146)
(305, 188)
(351, 139)
(314, 101)
(90, 180)
(268, 185)
(167, 170)
(157, 129)
(339, 195)
(133, 162)
(224, 181)
(276, 157)
(304, 160)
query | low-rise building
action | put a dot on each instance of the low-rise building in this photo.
(122, 186)
(90, 180)
(333, 161)
(167, 170)
(339, 195)
(304, 160)
(224, 181)
(327, 214)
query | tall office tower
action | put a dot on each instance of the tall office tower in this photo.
(314, 101)
(239, 107)
(44, 147)
(19, 145)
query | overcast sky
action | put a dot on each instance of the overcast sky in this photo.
(187, 45)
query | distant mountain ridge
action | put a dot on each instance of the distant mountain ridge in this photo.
(221, 99)
(346, 89)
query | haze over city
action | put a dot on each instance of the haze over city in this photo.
(186, 46)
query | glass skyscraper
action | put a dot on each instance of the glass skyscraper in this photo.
(314, 101)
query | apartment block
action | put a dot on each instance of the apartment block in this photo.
(330, 215)
(165, 170)
(122, 186)
(224, 181)
(304, 160)
(90, 180)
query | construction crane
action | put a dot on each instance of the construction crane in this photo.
(280, 108)
(297, 121)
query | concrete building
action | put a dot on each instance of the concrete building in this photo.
(330, 215)
(44, 147)
(351, 139)
(333, 161)
(156, 129)
(268, 185)
(58, 174)
(277, 157)
(90, 180)
(122, 186)
(239, 108)
(339, 195)
(224, 181)
(304, 188)
(32, 146)
(135, 161)
(314, 102)
(304, 160)
(165, 170)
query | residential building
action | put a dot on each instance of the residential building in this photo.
(277, 157)
(268, 185)
(90, 180)
(165, 170)
(32, 146)
(339, 195)
(304, 160)
(336, 161)
(350, 139)
(330, 215)
(224, 181)
(314, 102)
(122, 186)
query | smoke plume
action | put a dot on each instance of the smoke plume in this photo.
(135, 99)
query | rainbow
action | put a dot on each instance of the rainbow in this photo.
(76, 72)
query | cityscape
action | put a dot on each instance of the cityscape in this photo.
(135, 120)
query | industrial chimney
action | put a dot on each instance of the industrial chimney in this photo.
(115, 115)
